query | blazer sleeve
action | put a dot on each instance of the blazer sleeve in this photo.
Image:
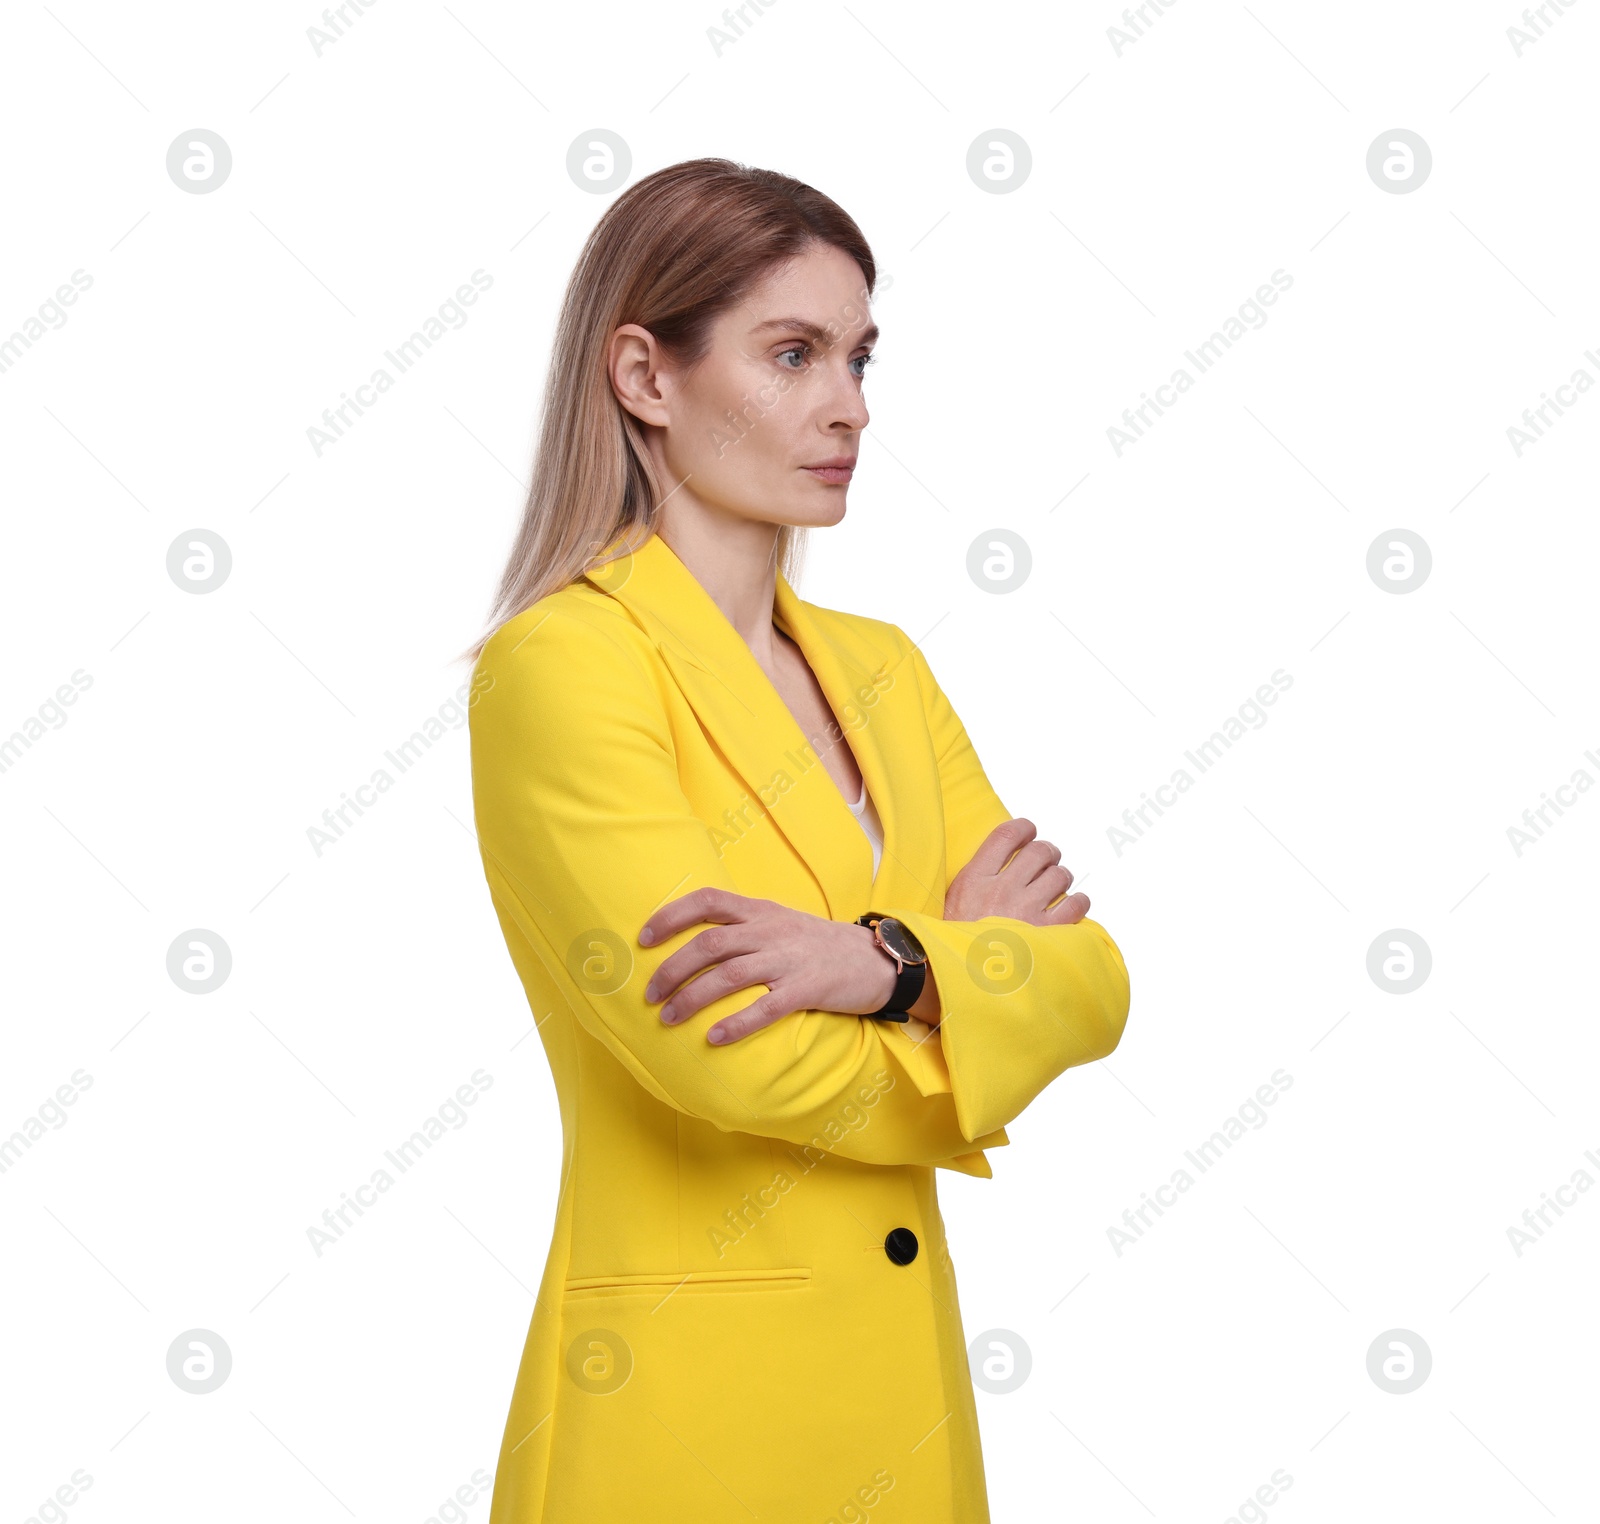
(585, 831)
(1019, 1003)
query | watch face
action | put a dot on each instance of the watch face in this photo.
(902, 941)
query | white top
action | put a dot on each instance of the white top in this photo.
(866, 812)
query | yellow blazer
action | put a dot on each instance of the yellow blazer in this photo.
(725, 1329)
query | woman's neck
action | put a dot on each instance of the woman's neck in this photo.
(735, 561)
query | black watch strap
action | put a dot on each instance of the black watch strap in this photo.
(907, 987)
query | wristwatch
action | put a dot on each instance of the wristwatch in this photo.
(900, 943)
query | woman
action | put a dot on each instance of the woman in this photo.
(787, 951)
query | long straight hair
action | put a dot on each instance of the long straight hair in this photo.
(671, 254)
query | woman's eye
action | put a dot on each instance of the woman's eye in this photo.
(803, 349)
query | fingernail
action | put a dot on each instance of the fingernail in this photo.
(668, 1015)
(647, 936)
(649, 992)
(716, 1034)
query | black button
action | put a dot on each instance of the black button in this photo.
(901, 1245)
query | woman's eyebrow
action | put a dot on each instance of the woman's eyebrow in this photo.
(818, 336)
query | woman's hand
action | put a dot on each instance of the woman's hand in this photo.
(809, 963)
(1022, 888)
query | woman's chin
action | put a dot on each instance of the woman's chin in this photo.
(826, 508)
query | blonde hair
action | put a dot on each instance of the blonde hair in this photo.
(672, 253)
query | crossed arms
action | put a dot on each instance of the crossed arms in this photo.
(583, 825)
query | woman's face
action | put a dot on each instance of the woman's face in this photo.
(767, 426)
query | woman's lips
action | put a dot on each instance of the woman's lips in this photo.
(835, 475)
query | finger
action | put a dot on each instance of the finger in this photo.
(724, 979)
(999, 844)
(1030, 861)
(1050, 885)
(765, 1011)
(707, 903)
(711, 946)
(1069, 912)
(1053, 851)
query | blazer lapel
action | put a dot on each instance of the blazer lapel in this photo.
(783, 775)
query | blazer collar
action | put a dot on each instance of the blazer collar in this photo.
(783, 774)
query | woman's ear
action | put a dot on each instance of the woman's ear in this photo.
(636, 368)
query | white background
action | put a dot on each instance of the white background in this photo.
(1169, 180)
